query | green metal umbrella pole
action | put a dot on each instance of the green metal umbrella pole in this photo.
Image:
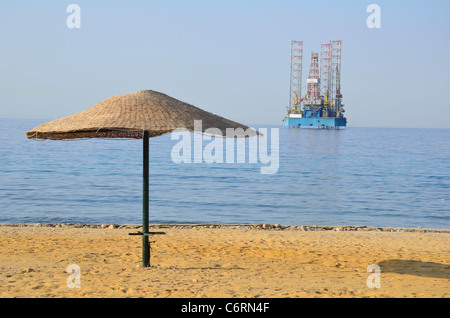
(145, 203)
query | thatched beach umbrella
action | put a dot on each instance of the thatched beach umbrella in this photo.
(140, 115)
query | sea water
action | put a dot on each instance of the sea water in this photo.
(355, 176)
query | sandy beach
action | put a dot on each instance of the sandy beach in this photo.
(223, 261)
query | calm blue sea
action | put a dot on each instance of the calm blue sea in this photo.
(356, 176)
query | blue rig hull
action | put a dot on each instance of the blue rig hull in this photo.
(307, 122)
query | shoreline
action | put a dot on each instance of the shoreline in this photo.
(259, 226)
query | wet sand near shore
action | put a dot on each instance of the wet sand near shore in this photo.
(224, 261)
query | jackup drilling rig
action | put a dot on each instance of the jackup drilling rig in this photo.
(321, 106)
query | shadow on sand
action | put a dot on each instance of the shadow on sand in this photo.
(418, 268)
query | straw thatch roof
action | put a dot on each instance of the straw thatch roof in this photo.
(128, 116)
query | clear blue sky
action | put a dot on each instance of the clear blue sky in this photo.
(228, 57)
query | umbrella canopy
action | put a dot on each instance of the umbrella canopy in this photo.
(141, 115)
(128, 116)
